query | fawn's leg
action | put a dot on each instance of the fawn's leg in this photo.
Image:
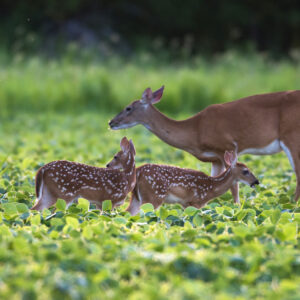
(134, 205)
(45, 201)
(217, 168)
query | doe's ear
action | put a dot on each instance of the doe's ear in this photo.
(132, 148)
(124, 144)
(156, 96)
(147, 96)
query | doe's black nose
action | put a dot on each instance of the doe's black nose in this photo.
(107, 166)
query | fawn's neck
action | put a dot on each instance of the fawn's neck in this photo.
(130, 172)
(223, 182)
(180, 134)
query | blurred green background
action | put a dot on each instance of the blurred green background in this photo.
(66, 68)
(69, 56)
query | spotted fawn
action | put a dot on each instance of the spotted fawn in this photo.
(159, 184)
(70, 180)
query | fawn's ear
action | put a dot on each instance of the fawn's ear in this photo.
(230, 158)
(234, 158)
(156, 96)
(124, 144)
(132, 147)
(147, 96)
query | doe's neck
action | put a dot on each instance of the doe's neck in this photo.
(179, 134)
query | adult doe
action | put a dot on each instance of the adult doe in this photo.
(261, 124)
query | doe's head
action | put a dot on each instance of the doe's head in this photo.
(124, 157)
(240, 171)
(134, 113)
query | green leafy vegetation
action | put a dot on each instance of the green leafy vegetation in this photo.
(73, 85)
(222, 251)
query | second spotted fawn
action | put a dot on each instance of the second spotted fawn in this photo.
(70, 180)
(159, 184)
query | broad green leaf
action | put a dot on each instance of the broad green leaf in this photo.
(275, 216)
(240, 230)
(120, 220)
(241, 214)
(83, 204)
(285, 218)
(46, 213)
(105, 218)
(227, 213)
(26, 162)
(61, 205)
(189, 234)
(290, 231)
(35, 219)
(190, 210)
(148, 207)
(163, 213)
(56, 222)
(197, 220)
(54, 234)
(10, 208)
(107, 205)
(72, 222)
(4, 230)
(87, 232)
(22, 208)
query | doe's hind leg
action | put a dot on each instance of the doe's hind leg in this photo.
(297, 171)
(292, 150)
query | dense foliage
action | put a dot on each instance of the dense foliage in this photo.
(222, 251)
(195, 25)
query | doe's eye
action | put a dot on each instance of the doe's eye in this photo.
(246, 172)
(128, 108)
(115, 157)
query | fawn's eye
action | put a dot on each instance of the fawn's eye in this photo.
(128, 108)
(115, 157)
(245, 172)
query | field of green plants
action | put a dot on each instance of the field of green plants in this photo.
(70, 84)
(53, 110)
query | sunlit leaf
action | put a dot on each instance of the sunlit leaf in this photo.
(61, 205)
(106, 205)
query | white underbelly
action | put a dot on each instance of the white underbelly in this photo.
(272, 148)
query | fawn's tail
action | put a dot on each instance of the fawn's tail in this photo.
(39, 183)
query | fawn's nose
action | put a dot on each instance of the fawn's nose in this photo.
(107, 166)
(256, 182)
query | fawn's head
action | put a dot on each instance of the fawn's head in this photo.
(240, 171)
(124, 157)
(134, 113)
